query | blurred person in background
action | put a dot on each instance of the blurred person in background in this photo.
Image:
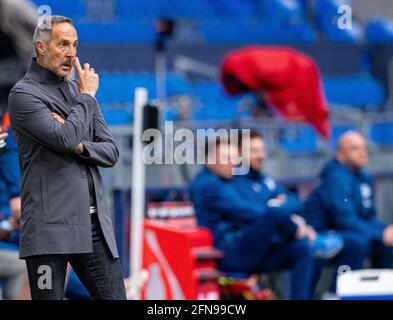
(17, 22)
(245, 230)
(263, 189)
(344, 202)
(12, 270)
(260, 188)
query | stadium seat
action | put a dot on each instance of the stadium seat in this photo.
(115, 117)
(238, 10)
(75, 9)
(298, 139)
(116, 32)
(341, 91)
(282, 10)
(380, 31)
(326, 16)
(261, 32)
(382, 134)
(142, 9)
(337, 131)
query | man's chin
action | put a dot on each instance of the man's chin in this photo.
(61, 73)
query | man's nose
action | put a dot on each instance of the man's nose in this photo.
(71, 52)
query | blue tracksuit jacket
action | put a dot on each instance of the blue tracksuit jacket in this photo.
(262, 189)
(343, 200)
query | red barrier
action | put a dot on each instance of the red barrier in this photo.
(180, 258)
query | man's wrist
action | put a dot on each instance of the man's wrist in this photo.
(79, 149)
(93, 94)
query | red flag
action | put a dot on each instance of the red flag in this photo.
(289, 79)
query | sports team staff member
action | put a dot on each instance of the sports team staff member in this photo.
(62, 138)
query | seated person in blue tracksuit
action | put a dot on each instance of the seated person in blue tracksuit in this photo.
(344, 202)
(261, 188)
(10, 179)
(244, 230)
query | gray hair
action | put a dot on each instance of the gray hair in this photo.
(43, 30)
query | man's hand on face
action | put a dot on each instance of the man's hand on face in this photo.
(80, 148)
(387, 237)
(88, 80)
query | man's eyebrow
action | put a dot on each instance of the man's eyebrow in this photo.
(67, 40)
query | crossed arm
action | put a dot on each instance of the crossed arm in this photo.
(31, 117)
(102, 151)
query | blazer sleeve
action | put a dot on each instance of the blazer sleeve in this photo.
(31, 117)
(102, 151)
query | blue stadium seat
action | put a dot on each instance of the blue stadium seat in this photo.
(74, 9)
(341, 91)
(177, 85)
(337, 131)
(382, 134)
(116, 32)
(282, 10)
(120, 87)
(116, 117)
(326, 15)
(337, 35)
(262, 32)
(143, 9)
(216, 104)
(298, 139)
(188, 9)
(238, 10)
(380, 31)
(325, 10)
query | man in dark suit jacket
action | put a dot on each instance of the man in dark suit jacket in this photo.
(62, 139)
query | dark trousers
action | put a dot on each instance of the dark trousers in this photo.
(381, 256)
(252, 251)
(98, 271)
(295, 256)
(352, 255)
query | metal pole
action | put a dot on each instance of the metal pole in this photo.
(138, 191)
(161, 76)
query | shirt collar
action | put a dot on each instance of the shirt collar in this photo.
(254, 175)
(42, 74)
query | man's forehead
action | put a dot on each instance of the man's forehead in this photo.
(65, 31)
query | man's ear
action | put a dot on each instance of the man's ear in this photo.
(340, 157)
(41, 47)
